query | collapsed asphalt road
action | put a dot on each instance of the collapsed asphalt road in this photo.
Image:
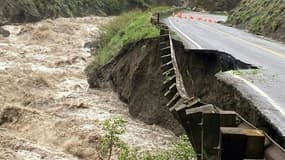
(264, 87)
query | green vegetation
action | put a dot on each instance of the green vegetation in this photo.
(113, 128)
(180, 148)
(261, 17)
(129, 27)
(246, 72)
(35, 10)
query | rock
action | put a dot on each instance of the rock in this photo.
(4, 32)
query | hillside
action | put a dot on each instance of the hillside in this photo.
(213, 5)
(34, 10)
(261, 17)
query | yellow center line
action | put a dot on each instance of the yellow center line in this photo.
(247, 42)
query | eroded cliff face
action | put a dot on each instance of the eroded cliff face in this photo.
(34, 10)
(136, 76)
(18, 11)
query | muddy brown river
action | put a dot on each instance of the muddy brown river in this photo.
(47, 110)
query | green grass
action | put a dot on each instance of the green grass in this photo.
(129, 27)
(258, 16)
(246, 72)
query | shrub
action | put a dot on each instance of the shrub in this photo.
(113, 127)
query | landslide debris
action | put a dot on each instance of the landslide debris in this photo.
(260, 17)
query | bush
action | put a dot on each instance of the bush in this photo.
(113, 127)
(180, 148)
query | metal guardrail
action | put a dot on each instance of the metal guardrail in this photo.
(215, 134)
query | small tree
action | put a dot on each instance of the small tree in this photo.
(113, 127)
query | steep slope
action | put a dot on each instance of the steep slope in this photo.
(261, 17)
(34, 10)
(136, 76)
(213, 5)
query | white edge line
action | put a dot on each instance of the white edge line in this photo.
(178, 30)
(262, 93)
(251, 85)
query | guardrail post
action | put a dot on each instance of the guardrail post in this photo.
(158, 18)
(240, 143)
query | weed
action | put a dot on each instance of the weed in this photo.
(237, 72)
(254, 71)
(167, 76)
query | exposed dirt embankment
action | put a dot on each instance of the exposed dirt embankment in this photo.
(135, 74)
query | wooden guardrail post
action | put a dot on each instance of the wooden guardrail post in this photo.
(240, 143)
(215, 134)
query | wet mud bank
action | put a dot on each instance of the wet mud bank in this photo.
(136, 76)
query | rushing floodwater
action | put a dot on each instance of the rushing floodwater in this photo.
(52, 113)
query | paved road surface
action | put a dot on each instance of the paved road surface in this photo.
(265, 87)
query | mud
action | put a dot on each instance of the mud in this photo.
(47, 110)
(136, 76)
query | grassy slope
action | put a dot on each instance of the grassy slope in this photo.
(214, 5)
(260, 16)
(129, 27)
